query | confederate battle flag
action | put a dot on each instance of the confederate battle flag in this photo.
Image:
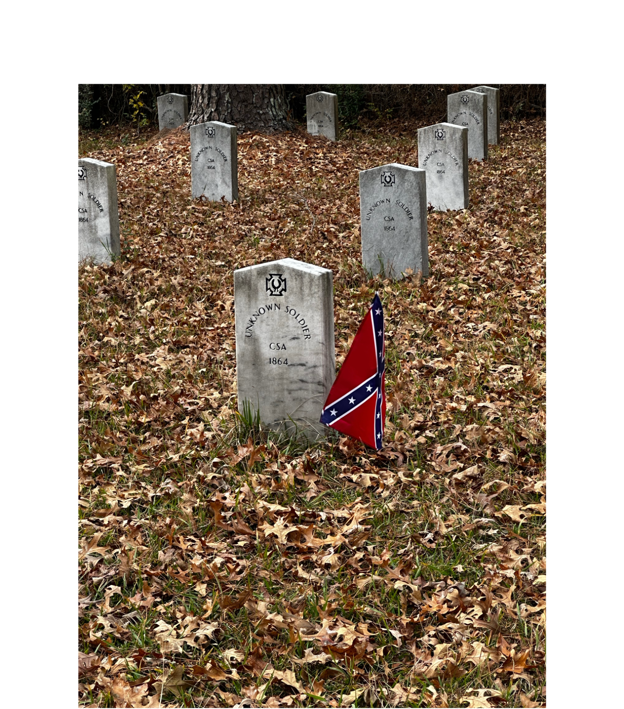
(356, 404)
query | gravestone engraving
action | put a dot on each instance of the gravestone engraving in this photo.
(493, 110)
(98, 215)
(322, 114)
(443, 154)
(393, 216)
(214, 161)
(469, 109)
(172, 110)
(285, 358)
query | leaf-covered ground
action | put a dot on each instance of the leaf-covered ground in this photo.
(220, 565)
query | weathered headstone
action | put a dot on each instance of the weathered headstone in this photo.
(285, 358)
(469, 109)
(214, 161)
(98, 215)
(322, 114)
(172, 110)
(493, 110)
(443, 153)
(393, 215)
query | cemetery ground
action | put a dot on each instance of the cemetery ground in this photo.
(221, 565)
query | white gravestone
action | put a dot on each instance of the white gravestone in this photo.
(285, 357)
(172, 110)
(393, 216)
(322, 114)
(443, 154)
(493, 110)
(98, 215)
(214, 161)
(469, 109)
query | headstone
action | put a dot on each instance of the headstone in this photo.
(393, 215)
(285, 359)
(172, 110)
(98, 215)
(214, 161)
(469, 109)
(443, 154)
(322, 114)
(493, 110)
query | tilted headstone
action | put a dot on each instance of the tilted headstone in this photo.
(172, 110)
(214, 161)
(443, 154)
(469, 109)
(98, 215)
(393, 215)
(322, 114)
(493, 110)
(285, 358)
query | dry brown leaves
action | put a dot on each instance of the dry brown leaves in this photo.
(219, 568)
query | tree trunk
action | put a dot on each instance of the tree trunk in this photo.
(259, 107)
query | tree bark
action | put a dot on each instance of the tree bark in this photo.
(258, 107)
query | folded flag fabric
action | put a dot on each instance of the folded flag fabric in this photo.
(356, 404)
